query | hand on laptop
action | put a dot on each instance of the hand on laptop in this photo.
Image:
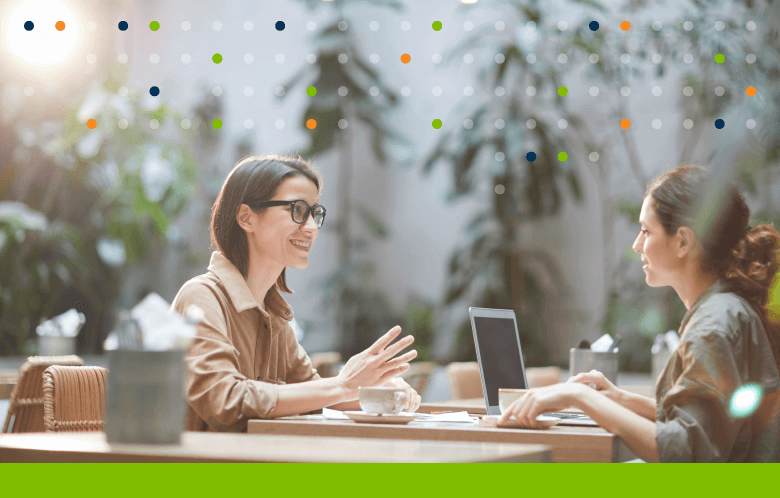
(597, 381)
(538, 401)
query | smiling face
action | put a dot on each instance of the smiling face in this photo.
(658, 250)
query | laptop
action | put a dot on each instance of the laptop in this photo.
(500, 358)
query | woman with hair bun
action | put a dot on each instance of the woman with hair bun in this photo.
(718, 398)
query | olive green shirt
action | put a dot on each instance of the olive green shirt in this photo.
(723, 347)
(241, 353)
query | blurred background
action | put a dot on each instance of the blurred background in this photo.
(494, 169)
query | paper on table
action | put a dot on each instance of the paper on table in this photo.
(329, 414)
(457, 417)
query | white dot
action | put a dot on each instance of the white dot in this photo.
(656, 124)
(593, 58)
(123, 124)
(593, 91)
(374, 91)
(154, 58)
(563, 26)
(185, 26)
(499, 124)
(343, 25)
(625, 58)
(311, 58)
(751, 26)
(688, 58)
(719, 26)
(625, 91)
(406, 91)
(185, 58)
(279, 91)
(593, 156)
(500, 189)
(406, 25)
(468, 25)
(687, 91)
(500, 91)
(279, 58)
(374, 58)
(468, 91)
(687, 25)
(436, 91)
(436, 58)
(343, 58)
(531, 25)
(500, 156)
(122, 58)
(217, 91)
(468, 58)
(92, 58)
(720, 91)
(311, 25)
(657, 25)
(751, 58)
(280, 124)
(562, 58)
(500, 58)
(343, 123)
(29, 91)
(531, 58)
(343, 91)
(373, 25)
(217, 26)
(249, 58)
(562, 124)
(122, 91)
(531, 124)
(249, 91)
(468, 124)
(688, 124)
(92, 26)
(751, 123)
(657, 91)
(530, 91)
(249, 124)
(249, 26)
(657, 58)
(154, 124)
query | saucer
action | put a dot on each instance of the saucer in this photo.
(380, 418)
(512, 423)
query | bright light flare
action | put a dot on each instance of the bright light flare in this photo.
(745, 400)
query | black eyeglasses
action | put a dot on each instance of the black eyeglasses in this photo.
(299, 209)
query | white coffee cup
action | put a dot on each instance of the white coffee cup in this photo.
(382, 400)
(508, 396)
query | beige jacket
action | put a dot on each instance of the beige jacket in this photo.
(241, 353)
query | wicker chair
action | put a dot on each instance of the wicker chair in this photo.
(418, 374)
(465, 382)
(74, 399)
(25, 412)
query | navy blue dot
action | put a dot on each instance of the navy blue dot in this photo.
(154, 91)
(594, 26)
(531, 156)
(279, 26)
(719, 123)
(29, 25)
(122, 25)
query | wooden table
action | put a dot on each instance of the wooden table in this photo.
(222, 447)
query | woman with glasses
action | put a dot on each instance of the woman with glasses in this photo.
(718, 398)
(245, 361)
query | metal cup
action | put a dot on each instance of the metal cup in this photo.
(585, 360)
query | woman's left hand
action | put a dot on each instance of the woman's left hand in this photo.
(413, 399)
(542, 400)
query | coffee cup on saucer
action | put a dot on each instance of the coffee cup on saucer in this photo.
(382, 400)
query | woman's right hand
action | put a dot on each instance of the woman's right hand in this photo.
(377, 364)
(599, 382)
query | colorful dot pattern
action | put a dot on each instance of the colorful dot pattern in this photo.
(217, 58)
(406, 58)
(311, 91)
(437, 123)
(154, 25)
(279, 25)
(29, 25)
(91, 124)
(531, 156)
(60, 26)
(154, 91)
(123, 26)
(437, 26)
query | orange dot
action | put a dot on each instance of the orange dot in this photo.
(625, 124)
(751, 90)
(91, 124)
(311, 124)
(625, 25)
(60, 26)
(406, 58)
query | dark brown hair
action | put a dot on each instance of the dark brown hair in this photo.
(252, 179)
(747, 257)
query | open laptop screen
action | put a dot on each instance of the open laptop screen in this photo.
(499, 353)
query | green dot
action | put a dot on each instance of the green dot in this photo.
(720, 59)
(154, 25)
(311, 91)
(217, 124)
(562, 91)
(437, 25)
(217, 58)
(562, 156)
(437, 123)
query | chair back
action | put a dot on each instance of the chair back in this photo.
(418, 374)
(74, 399)
(25, 411)
(465, 381)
